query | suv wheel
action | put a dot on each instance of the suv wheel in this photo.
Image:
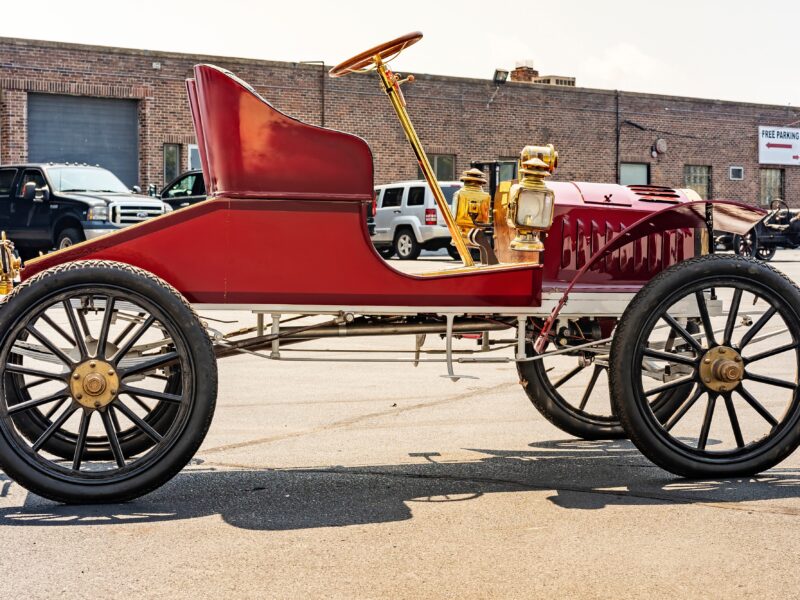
(68, 237)
(405, 245)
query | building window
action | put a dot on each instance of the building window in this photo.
(634, 173)
(771, 186)
(444, 166)
(194, 157)
(698, 178)
(172, 161)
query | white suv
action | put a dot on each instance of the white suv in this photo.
(408, 220)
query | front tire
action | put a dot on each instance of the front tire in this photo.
(69, 237)
(102, 348)
(572, 392)
(743, 414)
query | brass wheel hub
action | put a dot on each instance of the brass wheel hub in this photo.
(94, 383)
(721, 369)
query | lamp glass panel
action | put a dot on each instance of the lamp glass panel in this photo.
(534, 209)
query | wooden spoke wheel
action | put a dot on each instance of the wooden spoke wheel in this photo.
(108, 383)
(742, 415)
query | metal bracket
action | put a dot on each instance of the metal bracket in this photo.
(276, 330)
(521, 322)
(420, 340)
(449, 350)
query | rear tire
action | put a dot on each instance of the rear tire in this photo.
(766, 253)
(746, 245)
(142, 356)
(405, 245)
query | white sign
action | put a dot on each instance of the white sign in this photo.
(778, 146)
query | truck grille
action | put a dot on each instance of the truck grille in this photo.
(128, 213)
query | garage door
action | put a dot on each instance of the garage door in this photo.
(97, 131)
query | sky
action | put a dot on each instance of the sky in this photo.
(731, 50)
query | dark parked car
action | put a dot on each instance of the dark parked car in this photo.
(55, 205)
(186, 189)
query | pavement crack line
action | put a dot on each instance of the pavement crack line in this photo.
(360, 418)
(743, 506)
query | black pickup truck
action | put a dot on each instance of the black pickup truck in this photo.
(55, 205)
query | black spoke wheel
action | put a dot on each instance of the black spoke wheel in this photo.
(746, 245)
(35, 421)
(743, 413)
(572, 392)
(108, 382)
(766, 252)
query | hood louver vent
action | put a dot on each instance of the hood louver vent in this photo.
(654, 193)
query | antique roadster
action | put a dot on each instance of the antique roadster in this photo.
(109, 376)
(779, 228)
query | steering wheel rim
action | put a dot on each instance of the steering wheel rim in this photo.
(386, 50)
(778, 204)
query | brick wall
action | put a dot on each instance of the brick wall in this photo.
(469, 118)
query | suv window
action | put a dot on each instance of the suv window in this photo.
(28, 176)
(6, 180)
(416, 196)
(392, 197)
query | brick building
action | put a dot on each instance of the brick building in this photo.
(138, 97)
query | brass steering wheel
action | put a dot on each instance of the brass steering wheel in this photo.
(385, 52)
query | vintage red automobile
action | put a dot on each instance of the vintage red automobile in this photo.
(109, 377)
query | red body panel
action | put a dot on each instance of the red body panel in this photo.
(237, 251)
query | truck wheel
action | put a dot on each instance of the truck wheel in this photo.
(68, 237)
(405, 245)
(119, 371)
(572, 392)
(743, 413)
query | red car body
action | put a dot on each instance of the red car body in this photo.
(286, 197)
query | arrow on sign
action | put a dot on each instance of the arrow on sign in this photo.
(788, 146)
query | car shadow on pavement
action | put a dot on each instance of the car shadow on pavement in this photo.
(576, 475)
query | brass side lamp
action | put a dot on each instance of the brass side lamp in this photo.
(531, 203)
(472, 203)
(473, 214)
(10, 265)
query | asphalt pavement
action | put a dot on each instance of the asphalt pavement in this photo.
(370, 480)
